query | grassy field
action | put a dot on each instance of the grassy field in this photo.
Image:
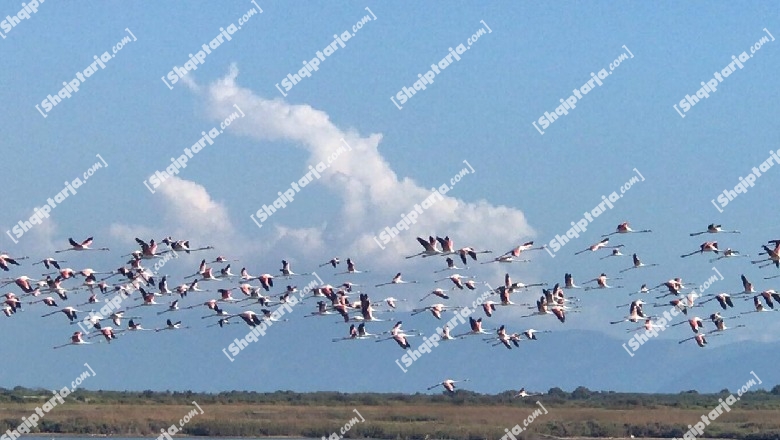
(391, 420)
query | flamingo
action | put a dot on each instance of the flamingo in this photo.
(601, 282)
(724, 299)
(390, 301)
(6, 259)
(600, 245)
(728, 253)
(625, 228)
(513, 255)
(398, 335)
(429, 248)
(642, 289)
(357, 333)
(503, 338)
(133, 326)
(712, 228)
(674, 286)
(707, 246)
(510, 287)
(649, 326)
(773, 256)
(221, 323)
(69, 311)
(615, 253)
(182, 245)
(148, 250)
(202, 267)
(543, 308)
(768, 296)
(106, 332)
(700, 338)
(83, 246)
(23, 282)
(287, 271)
(470, 252)
(171, 326)
(76, 339)
(476, 328)
(172, 307)
(568, 282)
(450, 266)
(695, 322)
(635, 313)
(759, 308)
(333, 262)
(522, 393)
(49, 301)
(437, 292)
(50, 262)
(747, 286)
(456, 280)
(351, 268)
(448, 384)
(637, 264)
(396, 280)
(489, 307)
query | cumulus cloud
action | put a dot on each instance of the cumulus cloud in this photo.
(372, 196)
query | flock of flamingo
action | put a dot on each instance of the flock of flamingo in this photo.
(55, 289)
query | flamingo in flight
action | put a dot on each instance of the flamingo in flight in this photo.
(83, 246)
(438, 292)
(728, 253)
(701, 339)
(523, 393)
(635, 313)
(435, 310)
(476, 328)
(768, 296)
(351, 268)
(600, 245)
(450, 266)
(448, 384)
(182, 245)
(747, 287)
(76, 339)
(695, 322)
(724, 299)
(615, 253)
(773, 256)
(625, 228)
(601, 283)
(637, 264)
(456, 280)
(287, 271)
(712, 228)
(429, 248)
(568, 282)
(6, 259)
(759, 308)
(707, 246)
(50, 262)
(170, 325)
(69, 311)
(333, 262)
(514, 255)
(398, 335)
(396, 280)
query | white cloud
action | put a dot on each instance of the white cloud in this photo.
(372, 195)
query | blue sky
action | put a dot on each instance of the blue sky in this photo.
(526, 186)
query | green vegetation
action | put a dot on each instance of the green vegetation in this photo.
(463, 416)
